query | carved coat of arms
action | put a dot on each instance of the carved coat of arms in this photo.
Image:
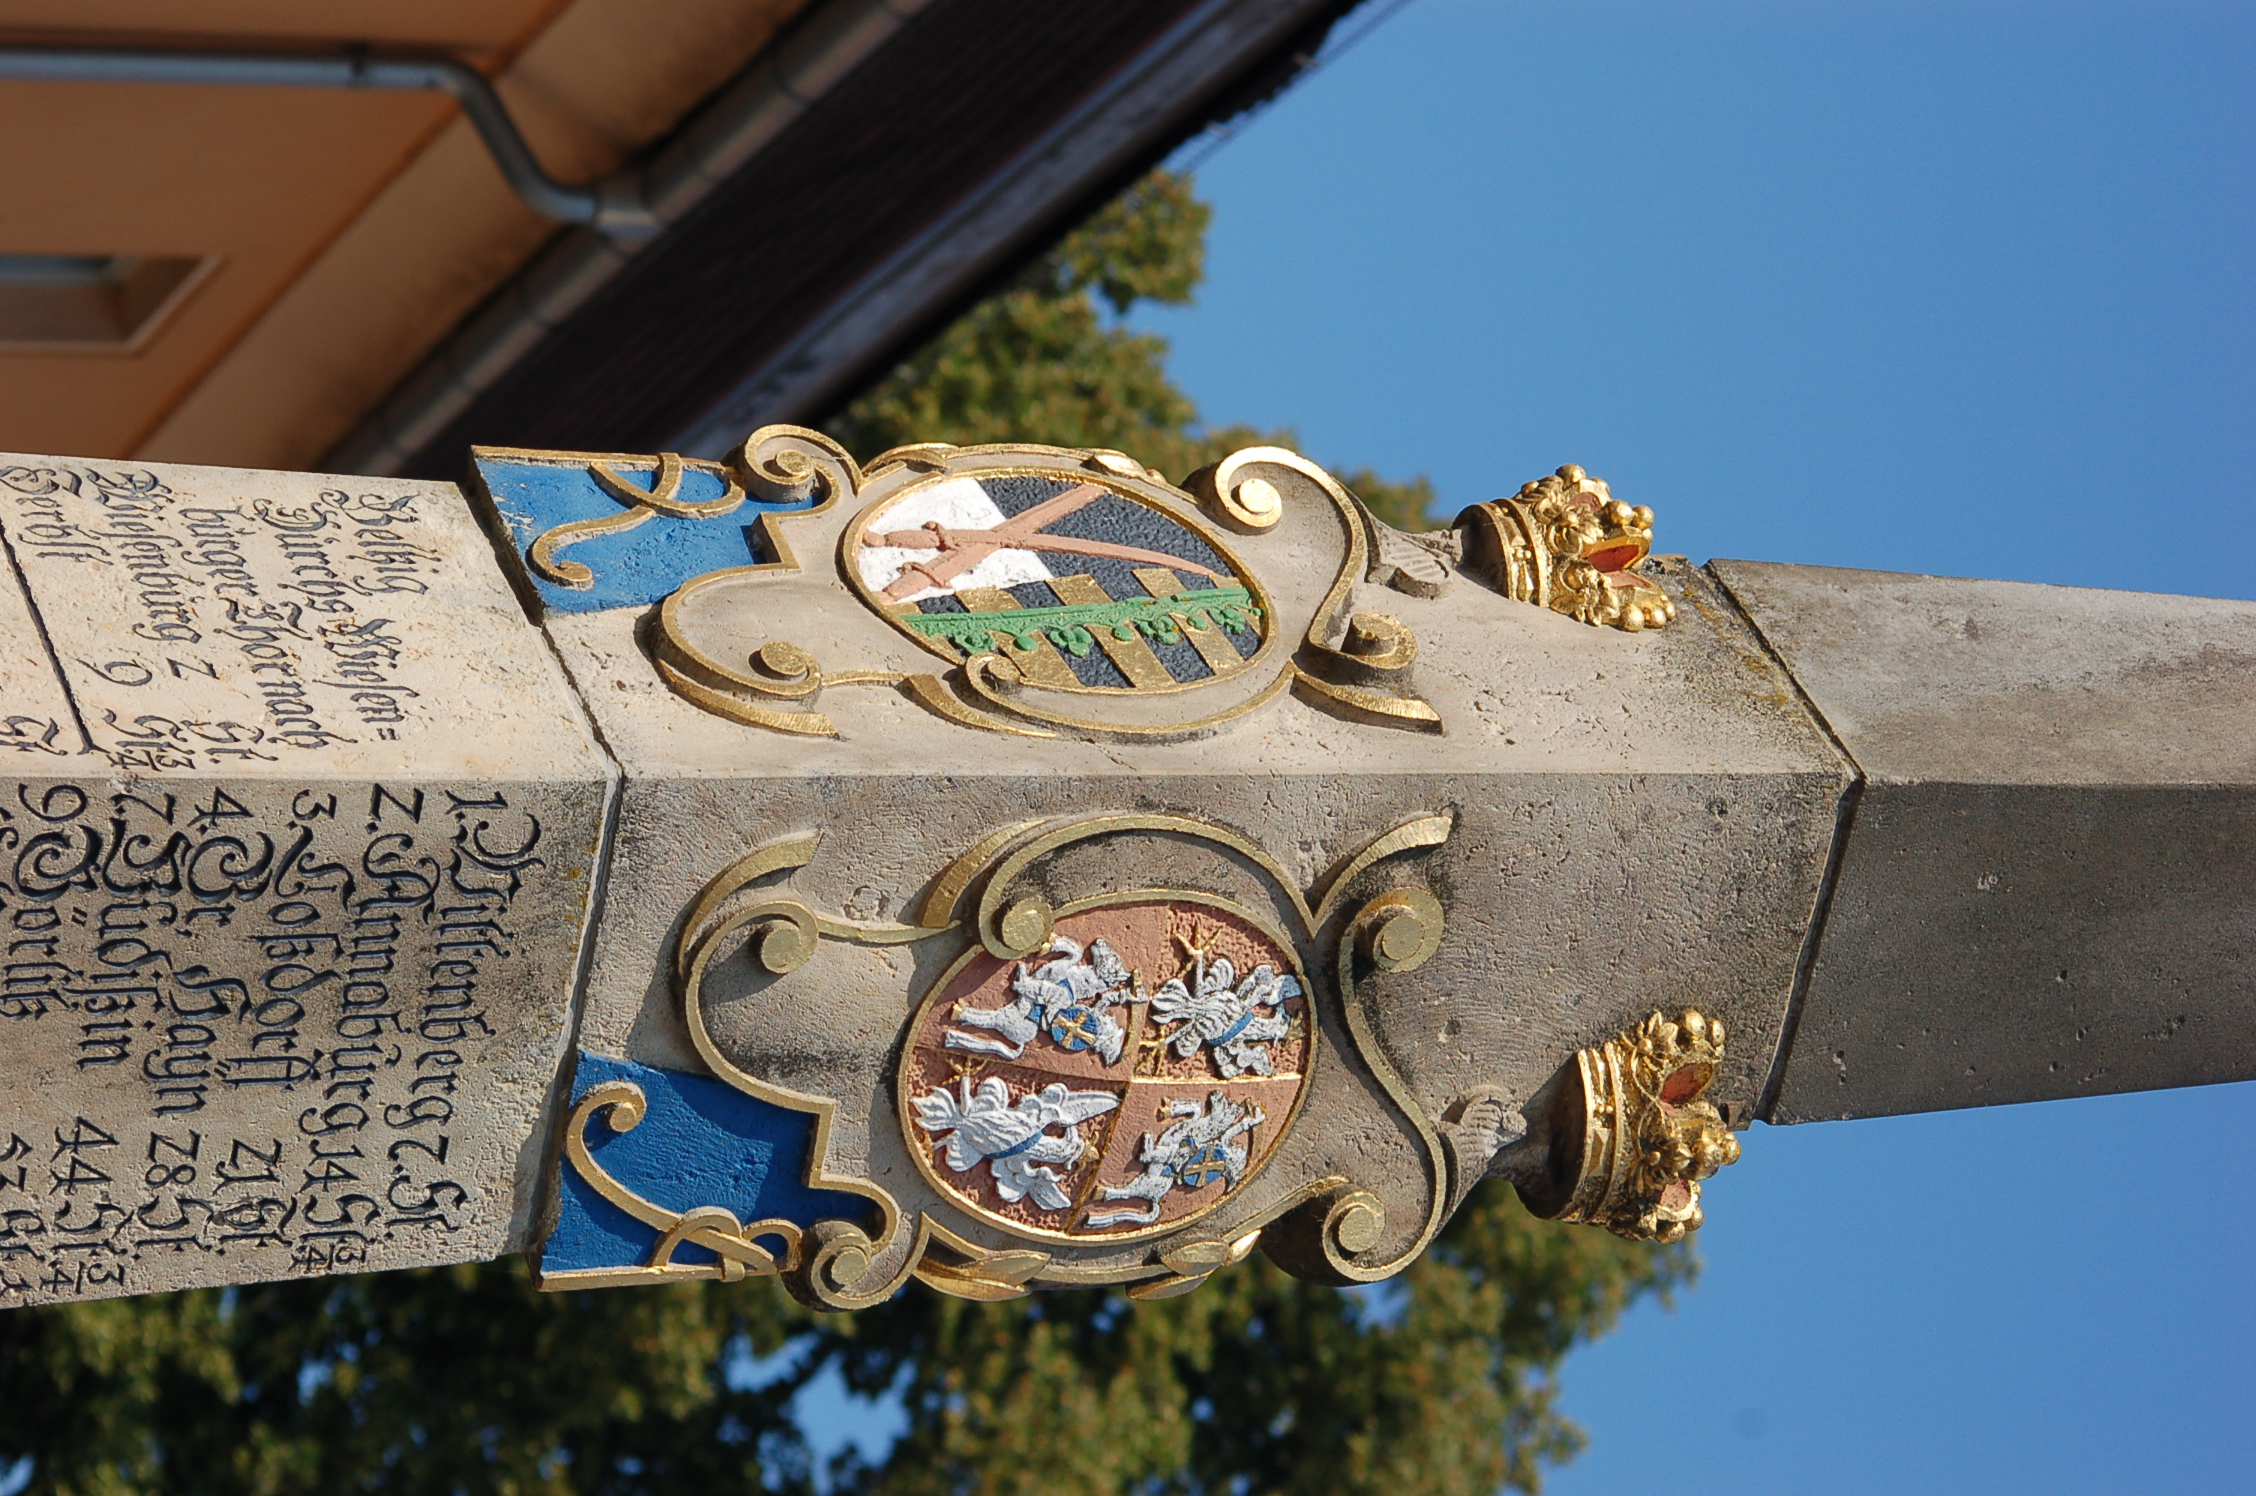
(1131, 1064)
(1035, 591)
(1116, 1044)
(1081, 585)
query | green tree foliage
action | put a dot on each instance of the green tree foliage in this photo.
(465, 1380)
(1436, 1385)
(1046, 359)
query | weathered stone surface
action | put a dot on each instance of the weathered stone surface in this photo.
(294, 866)
(37, 724)
(1327, 857)
(1641, 820)
(2051, 873)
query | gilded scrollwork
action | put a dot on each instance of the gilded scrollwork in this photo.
(1037, 591)
(783, 934)
(779, 680)
(1366, 676)
(639, 504)
(1104, 1074)
(620, 1106)
(1188, 1010)
(1369, 677)
(1089, 582)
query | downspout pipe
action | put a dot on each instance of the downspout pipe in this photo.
(612, 207)
(747, 116)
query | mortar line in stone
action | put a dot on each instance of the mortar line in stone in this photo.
(54, 660)
(559, 1110)
(1805, 965)
(486, 514)
(1821, 908)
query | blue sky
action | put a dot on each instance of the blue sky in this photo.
(1957, 287)
(1963, 289)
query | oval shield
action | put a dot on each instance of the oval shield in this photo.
(1082, 584)
(1123, 1081)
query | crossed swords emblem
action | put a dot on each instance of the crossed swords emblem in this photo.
(958, 551)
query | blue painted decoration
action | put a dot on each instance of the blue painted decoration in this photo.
(700, 1143)
(1075, 1028)
(633, 568)
(1204, 1167)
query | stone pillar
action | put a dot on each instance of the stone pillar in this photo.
(2045, 886)
(1005, 867)
(298, 846)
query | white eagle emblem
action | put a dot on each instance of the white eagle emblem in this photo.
(1218, 1011)
(1202, 1145)
(1013, 1140)
(1070, 995)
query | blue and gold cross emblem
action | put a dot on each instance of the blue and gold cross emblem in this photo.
(1074, 1028)
(1204, 1167)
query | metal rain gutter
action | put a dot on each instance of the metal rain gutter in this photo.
(612, 207)
(751, 113)
(1124, 116)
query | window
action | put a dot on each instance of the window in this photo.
(91, 303)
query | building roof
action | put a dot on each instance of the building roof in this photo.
(303, 277)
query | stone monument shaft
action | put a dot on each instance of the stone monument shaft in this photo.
(1005, 867)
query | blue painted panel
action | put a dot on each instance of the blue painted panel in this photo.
(700, 1143)
(633, 569)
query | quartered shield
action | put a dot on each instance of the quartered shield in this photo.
(1125, 1079)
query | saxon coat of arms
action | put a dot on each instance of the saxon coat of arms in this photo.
(1034, 591)
(1084, 586)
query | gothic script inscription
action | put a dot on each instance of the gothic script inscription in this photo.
(294, 863)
